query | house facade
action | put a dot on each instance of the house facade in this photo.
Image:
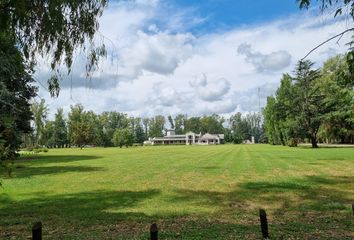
(189, 138)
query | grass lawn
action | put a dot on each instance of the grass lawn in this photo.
(192, 192)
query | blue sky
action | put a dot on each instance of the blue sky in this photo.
(195, 57)
(231, 13)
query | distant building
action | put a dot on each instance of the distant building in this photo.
(186, 139)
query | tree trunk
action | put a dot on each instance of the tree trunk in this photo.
(314, 142)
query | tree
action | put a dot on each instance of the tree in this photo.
(337, 87)
(192, 125)
(284, 118)
(123, 137)
(40, 111)
(239, 128)
(146, 123)
(55, 29)
(212, 124)
(309, 103)
(156, 126)
(138, 131)
(29, 29)
(180, 121)
(340, 7)
(111, 121)
(60, 132)
(49, 134)
(308, 106)
(271, 123)
(80, 130)
(170, 120)
(16, 90)
(92, 119)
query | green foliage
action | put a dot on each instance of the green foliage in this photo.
(156, 126)
(123, 137)
(245, 127)
(170, 120)
(80, 130)
(40, 111)
(338, 8)
(337, 86)
(341, 6)
(16, 90)
(139, 134)
(55, 29)
(313, 104)
(180, 121)
(60, 132)
(111, 121)
(192, 125)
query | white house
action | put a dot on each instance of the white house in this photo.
(186, 139)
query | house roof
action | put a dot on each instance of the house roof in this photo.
(209, 136)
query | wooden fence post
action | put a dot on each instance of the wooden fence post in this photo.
(264, 223)
(37, 231)
(153, 232)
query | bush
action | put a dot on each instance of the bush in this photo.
(292, 142)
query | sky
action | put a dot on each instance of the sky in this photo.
(194, 57)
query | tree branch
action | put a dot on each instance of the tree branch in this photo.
(330, 39)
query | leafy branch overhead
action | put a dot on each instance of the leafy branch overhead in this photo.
(55, 29)
(341, 7)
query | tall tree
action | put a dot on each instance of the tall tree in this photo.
(192, 125)
(16, 90)
(40, 111)
(112, 121)
(139, 134)
(337, 87)
(308, 107)
(170, 120)
(123, 137)
(212, 124)
(29, 29)
(146, 123)
(60, 132)
(156, 126)
(180, 121)
(239, 128)
(80, 130)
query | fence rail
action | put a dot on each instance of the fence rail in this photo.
(37, 227)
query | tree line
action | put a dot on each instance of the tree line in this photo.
(313, 105)
(81, 127)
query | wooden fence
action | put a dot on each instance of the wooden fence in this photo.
(37, 227)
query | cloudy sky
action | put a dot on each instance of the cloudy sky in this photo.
(195, 57)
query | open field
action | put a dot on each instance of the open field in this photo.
(192, 192)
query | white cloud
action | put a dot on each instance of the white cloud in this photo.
(210, 91)
(164, 96)
(274, 61)
(154, 65)
(159, 53)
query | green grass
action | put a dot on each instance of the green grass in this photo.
(192, 192)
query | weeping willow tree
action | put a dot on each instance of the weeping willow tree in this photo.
(54, 29)
(339, 8)
(33, 29)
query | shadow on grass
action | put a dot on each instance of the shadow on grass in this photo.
(313, 193)
(43, 158)
(25, 172)
(99, 212)
(86, 207)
